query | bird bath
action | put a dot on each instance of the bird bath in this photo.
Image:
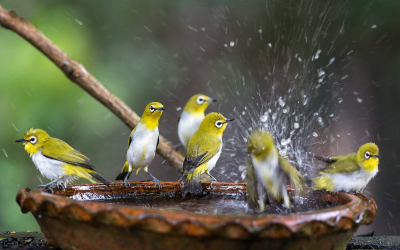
(142, 216)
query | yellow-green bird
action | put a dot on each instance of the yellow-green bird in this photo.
(270, 170)
(191, 117)
(203, 151)
(56, 160)
(349, 173)
(142, 143)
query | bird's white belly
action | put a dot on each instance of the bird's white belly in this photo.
(354, 182)
(213, 161)
(49, 168)
(142, 149)
(268, 169)
(187, 126)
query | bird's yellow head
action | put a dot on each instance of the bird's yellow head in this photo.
(368, 156)
(34, 139)
(260, 144)
(151, 115)
(197, 104)
(214, 124)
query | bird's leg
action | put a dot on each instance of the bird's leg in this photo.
(157, 182)
(212, 177)
(126, 182)
(48, 185)
(181, 179)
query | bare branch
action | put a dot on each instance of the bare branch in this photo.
(78, 74)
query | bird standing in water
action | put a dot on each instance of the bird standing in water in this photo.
(56, 160)
(203, 151)
(269, 170)
(349, 173)
(142, 143)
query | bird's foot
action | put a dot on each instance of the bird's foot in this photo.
(157, 182)
(126, 183)
(46, 187)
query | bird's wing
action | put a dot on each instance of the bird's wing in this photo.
(59, 150)
(296, 179)
(324, 159)
(343, 164)
(197, 154)
(130, 137)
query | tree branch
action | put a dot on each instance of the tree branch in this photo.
(78, 74)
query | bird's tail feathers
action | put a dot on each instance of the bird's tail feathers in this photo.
(100, 178)
(125, 173)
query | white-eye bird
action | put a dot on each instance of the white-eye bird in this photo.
(203, 151)
(349, 173)
(270, 169)
(142, 143)
(191, 117)
(56, 160)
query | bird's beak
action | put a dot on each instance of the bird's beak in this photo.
(228, 120)
(211, 100)
(160, 109)
(21, 140)
(376, 156)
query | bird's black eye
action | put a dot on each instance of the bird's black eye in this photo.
(200, 100)
(218, 124)
(33, 139)
(367, 155)
(152, 109)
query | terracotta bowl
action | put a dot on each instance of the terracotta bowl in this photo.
(72, 219)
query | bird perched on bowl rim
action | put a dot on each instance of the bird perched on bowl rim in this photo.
(191, 117)
(56, 160)
(142, 143)
(270, 170)
(203, 151)
(349, 173)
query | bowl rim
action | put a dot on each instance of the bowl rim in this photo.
(357, 211)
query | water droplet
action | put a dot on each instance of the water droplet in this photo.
(260, 31)
(281, 102)
(270, 45)
(331, 115)
(359, 100)
(340, 100)
(315, 134)
(232, 43)
(226, 45)
(285, 111)
(178, 108)
(319, 119)
(264, 118)
(296, 125)
(373, 26)
(243, 113)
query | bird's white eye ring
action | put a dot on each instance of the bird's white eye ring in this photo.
(33, 140)
(152, 109)
(367, 155)
(200, 100)
(218, 124)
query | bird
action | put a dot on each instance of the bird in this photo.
(56, 160)
(270, 170)
(191, 117)
(142, 144)
(349, 173)
(203, 151)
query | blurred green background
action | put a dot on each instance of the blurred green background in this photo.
(165, 51)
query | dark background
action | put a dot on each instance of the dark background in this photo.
(330, 66)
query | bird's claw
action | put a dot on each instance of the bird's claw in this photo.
(127, 184)
(45, 187)
(157, 182)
